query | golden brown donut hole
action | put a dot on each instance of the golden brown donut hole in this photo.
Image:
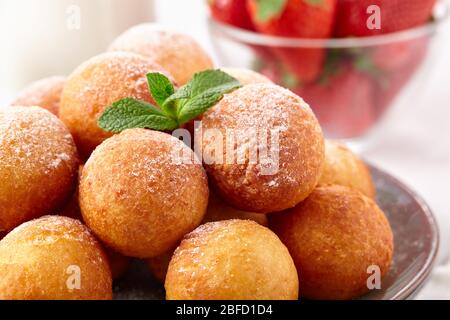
(38, 165)
(137, 198)
(345, 168)
(231, 260)
(178, 53)
(53, 258)
(94, 86)
(334, 237)
(256, 115)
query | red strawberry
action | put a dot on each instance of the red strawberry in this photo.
(395, 15)
(293, 18)
(394, 80)
(296, 19)
(233, 12)
(343, 104)
(389, 88)
(273, 69)
(394, 56)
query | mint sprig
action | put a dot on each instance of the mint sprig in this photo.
(175, 107)
(204, 89)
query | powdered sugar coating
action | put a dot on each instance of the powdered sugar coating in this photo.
(38, 257)
(45, 93)
(21, 133)
(265, 108)
(38, 164)
(137, 197)
(229, 260)
(180, 54)
(50, 229)
(96, 85)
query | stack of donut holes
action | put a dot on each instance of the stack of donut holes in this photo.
(77, 203)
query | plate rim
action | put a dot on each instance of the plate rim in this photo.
(419, 279)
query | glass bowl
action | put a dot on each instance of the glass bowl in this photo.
(350, 83)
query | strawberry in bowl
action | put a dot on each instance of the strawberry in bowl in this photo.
(233, 12)
(394, 16)
(296, 19)
(349, 59)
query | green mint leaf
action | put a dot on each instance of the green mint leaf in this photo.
(130, 113)
(270, 9)
(202, 82)
(161, 88)
(203, 92)
(198, 105)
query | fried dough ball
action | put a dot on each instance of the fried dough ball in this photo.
(231, 260)
(96, 85)
(118, 263)
(246, 76)
(44, 93)
(38, 164)
(343, 167)
(275, 155)
(141, 191)
(218, 210)
(53, 258)
(178, 53)
(334, 236)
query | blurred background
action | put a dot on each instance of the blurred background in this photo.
(390, 94)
